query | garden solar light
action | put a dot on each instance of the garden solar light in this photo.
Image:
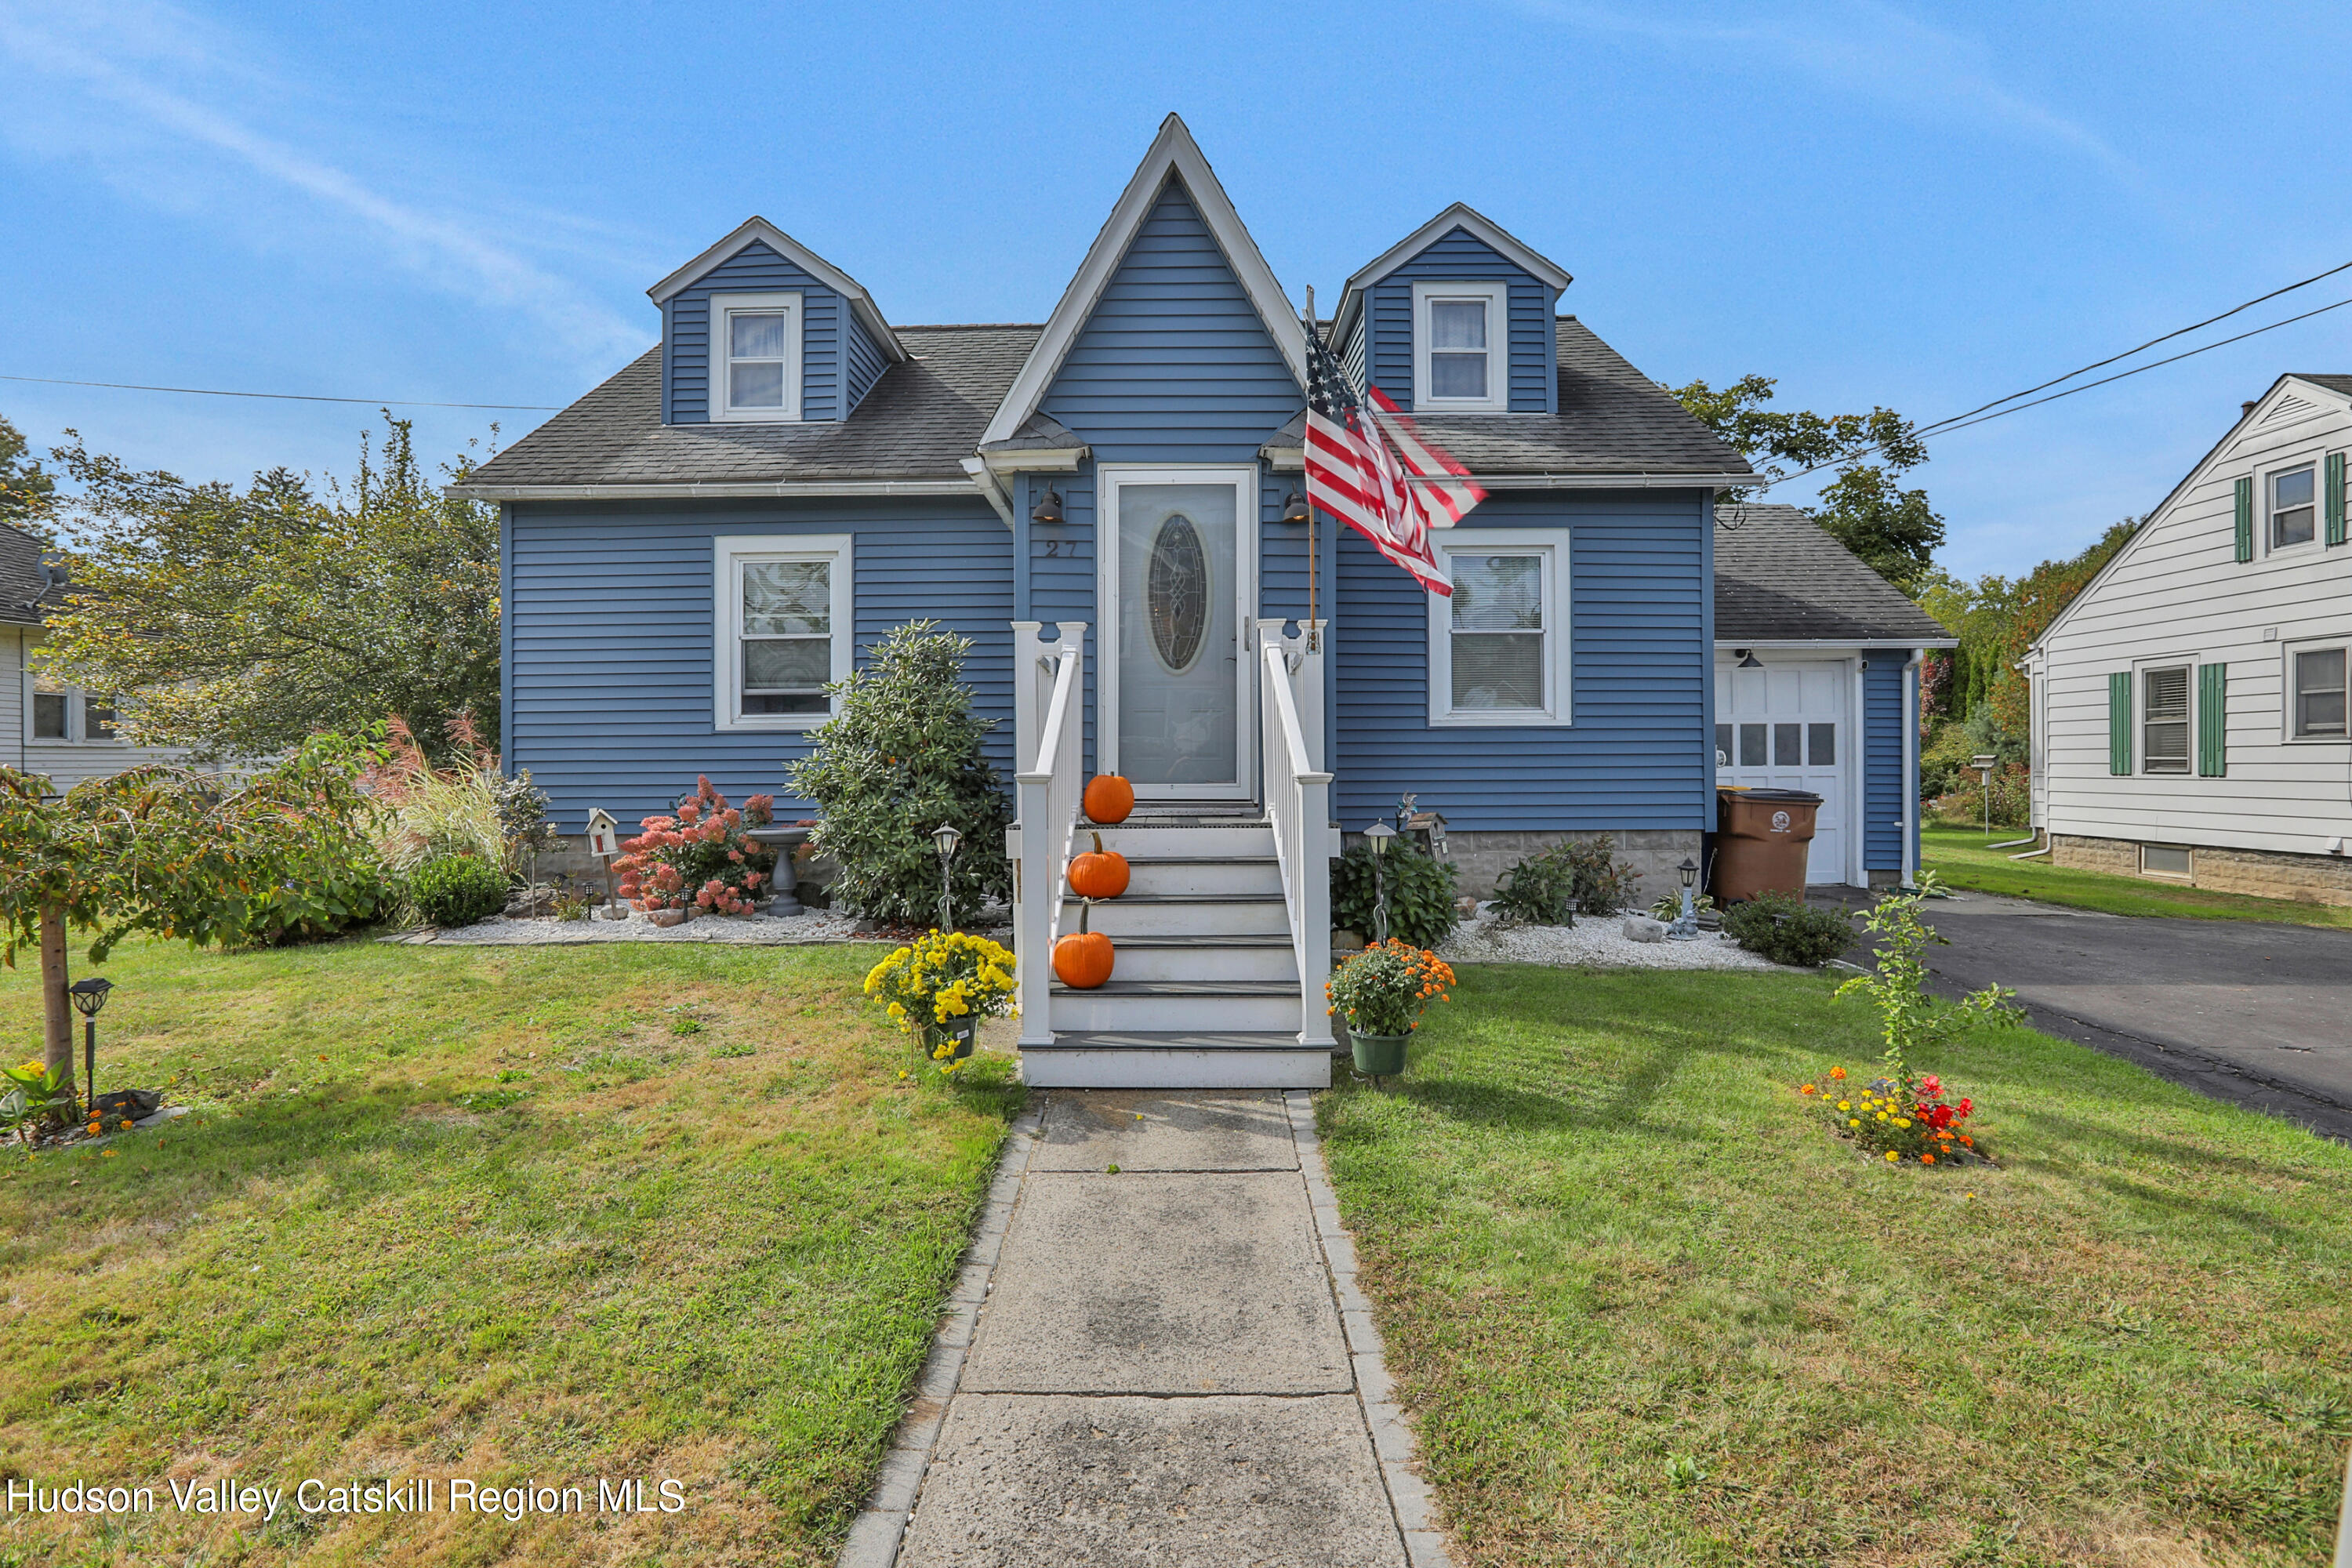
(947, 838)
(1685, 926)
(1379, 833)
(88, 997)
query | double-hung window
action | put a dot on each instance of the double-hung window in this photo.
(1461, 360)
(1498, 646)
(69, 714)
(2164, 719)
(2294, 507)
(2316, 699)
(784, 617)
(755, 357)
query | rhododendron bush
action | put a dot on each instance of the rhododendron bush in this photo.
(702, 857)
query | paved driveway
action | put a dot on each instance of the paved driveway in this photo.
(2254, 1014)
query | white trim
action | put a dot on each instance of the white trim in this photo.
(1174, 152)
(1109, 479)
(799, 255)
(1909, 825)
(1461, 216)
(2141, 669)
(1604, 481)
(1495, 295)
(1838, 645)
(2287, 693)
(715, 491)
(728, 553)
(77, 710)
(2267, 479)
(718, 389)
(1558, 709)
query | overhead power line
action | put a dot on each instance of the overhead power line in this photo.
(283, 397)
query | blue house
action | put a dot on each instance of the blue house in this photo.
(1109, 505)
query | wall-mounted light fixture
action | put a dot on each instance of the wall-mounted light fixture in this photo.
(1295, 509)
(1048, 507)
(1748, 659)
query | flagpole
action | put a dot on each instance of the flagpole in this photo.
(1314, 637)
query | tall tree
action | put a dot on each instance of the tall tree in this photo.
(1893, 529)
(236, 622)
(25, 491)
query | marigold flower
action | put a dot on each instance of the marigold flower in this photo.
(1837, 1072)
(1804, 1088)
(1927, 1158)
(1853, 1121)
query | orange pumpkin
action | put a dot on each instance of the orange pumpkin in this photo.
(1083, 959)
(1108, 799)
(1099, 874)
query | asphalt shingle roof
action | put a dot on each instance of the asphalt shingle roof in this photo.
(22, 583)
(1780, 578)
(920, 420)
(924, 417)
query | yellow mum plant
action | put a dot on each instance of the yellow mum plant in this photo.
(937, 984)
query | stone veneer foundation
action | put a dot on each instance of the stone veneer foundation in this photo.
(2264, 873)
(1480, 858)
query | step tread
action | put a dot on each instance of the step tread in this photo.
(1168, 1041)
(1198, 899)
(1200, 860)
(1270, 940)
(1183, 988)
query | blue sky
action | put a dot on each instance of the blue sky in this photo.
(1919, 208)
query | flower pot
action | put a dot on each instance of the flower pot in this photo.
(962, 1032)
(1379, 1056)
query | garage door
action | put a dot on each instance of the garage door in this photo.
(1785, 727)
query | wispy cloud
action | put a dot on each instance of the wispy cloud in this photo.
(1864, 48)
(122, 84)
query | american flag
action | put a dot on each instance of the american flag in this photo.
(1355, 474)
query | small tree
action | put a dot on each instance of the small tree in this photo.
(1910, 1020)
(184, 855)
(901, 756)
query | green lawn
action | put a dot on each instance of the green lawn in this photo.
(1959, 855)
(1649, 1312)
(548, 1214)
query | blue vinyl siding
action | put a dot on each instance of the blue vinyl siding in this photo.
(1882, 759)
(754, 268)
(609, 631)
(1636, 755)
(1456, 257)
(867, 361)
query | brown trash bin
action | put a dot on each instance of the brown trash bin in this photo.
(1760, 840)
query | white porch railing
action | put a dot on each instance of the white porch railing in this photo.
(1299, 806)
(1049, 746)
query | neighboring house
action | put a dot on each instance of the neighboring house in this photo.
(2189, 706)
(1105, 504)
(46, 727)
(1816, 687)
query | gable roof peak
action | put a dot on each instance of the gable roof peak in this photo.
(756, 229)
(1172, 155)
(1471, 221)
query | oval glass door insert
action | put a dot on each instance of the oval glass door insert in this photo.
(1176, 592)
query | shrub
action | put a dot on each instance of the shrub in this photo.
(456, 890)
(1419, 893)
(1787, 930)
(471, 809)
(701, 855)
(900, 756)
(1539, 891)
(1381, 990)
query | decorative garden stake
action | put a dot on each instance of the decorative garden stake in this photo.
(1685, 924)
(946, 837)
(88, 997)
(1379, 833)
(605, 842)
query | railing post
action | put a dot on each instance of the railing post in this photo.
(1314, 946)
(1049, 692)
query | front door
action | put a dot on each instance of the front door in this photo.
(1178, 581)
(1788, 726)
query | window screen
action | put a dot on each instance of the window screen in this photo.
(2319, 708)
(2164, 731)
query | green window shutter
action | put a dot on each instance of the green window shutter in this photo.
(2119, 721)
(2334, 498)
(2212, 720)
(2245, 520)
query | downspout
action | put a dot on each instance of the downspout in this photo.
(1911, 769)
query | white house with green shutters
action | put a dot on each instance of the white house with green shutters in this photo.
(2190, 714)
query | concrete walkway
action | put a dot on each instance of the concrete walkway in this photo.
(1157, 1355)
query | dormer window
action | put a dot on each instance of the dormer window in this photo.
(1460, 354)
(755, 342)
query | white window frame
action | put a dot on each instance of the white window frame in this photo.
(729, 553)
(2287, 652)
(77, 702)
(2271, 477)
(2190, 876)
(2141, 670)
(722, 307)
(1558, 708)
(1498, 296)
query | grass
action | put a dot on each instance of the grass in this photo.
(1648, 1312)
(1959, 855)
(516, 1214)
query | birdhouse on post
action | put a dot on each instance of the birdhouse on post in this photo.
(605, 842)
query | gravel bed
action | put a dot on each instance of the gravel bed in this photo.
(816, 926)
(1592, 942)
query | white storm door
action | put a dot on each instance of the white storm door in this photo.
(1177, 589)
(1790, 726)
